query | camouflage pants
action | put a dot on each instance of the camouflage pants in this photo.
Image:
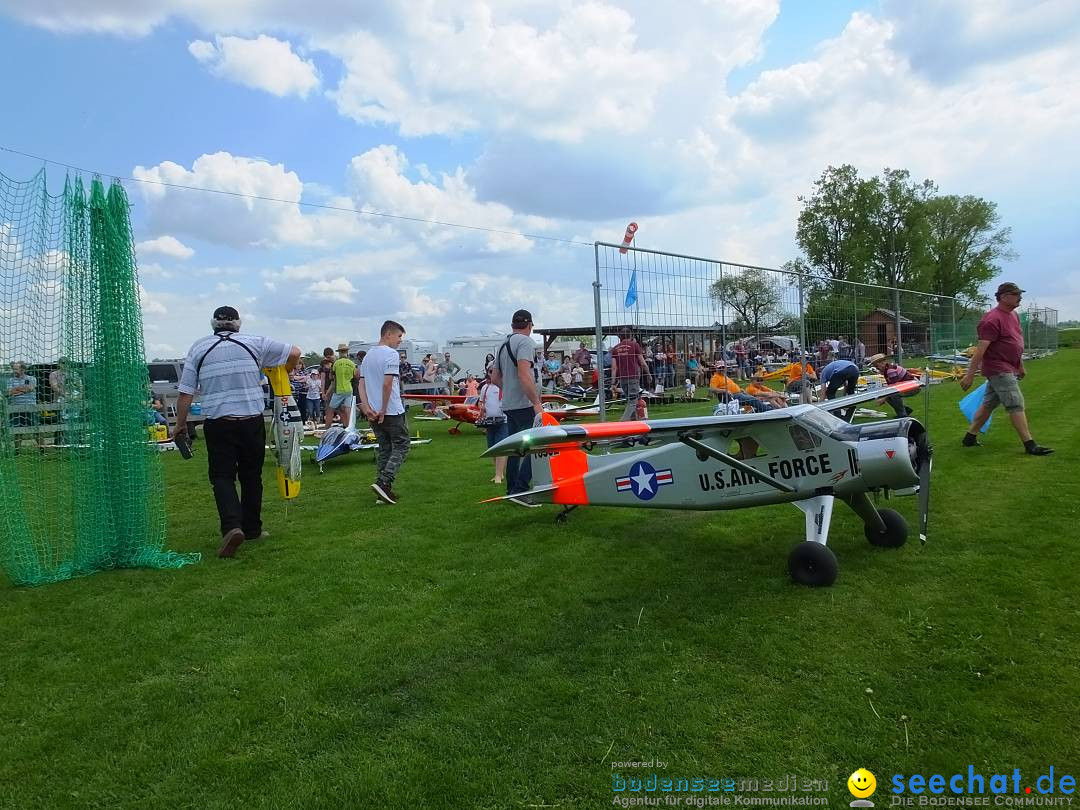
(393, 435)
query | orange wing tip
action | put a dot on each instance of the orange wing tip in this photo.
(603, 430)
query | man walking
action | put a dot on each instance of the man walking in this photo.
(380, 401)
(628, 364)
(1000, 354)
(227, 368)
(513, 374)
(341, 401)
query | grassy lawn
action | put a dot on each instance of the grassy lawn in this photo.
(443, 654)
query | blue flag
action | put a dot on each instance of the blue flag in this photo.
(631, 292)
(970, 404)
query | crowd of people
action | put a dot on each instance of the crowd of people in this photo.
(225, 367)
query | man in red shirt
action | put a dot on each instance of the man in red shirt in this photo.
(1000, 352)
(627, 366)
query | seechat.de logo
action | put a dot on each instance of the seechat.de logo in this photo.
(862, 785)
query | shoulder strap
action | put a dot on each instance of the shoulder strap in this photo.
(509, 351)
(221, 338)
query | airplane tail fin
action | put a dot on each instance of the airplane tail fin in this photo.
(559, 471)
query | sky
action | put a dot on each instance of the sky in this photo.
(701, 120)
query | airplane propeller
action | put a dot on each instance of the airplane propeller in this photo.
(924, 461)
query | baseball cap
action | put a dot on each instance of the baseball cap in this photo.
(1009, 287)
(521, 318)
(226, 314)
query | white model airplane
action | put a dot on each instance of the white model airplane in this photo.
(803, 455)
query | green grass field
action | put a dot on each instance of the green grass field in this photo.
(442, 654)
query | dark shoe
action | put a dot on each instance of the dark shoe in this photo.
(395, 496)
(231, 542)
(520, 500)
(971, 441)
(1038, 450)
(384, 493)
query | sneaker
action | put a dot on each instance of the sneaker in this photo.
(1038, 450)
(383, 492)
(395, 496)
(971, 441)
(520, 500)
(231, 542)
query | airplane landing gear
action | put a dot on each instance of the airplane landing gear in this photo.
(894, 534)
(560, 518)
(812, 564)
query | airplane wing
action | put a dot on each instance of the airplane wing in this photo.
(450, 399)
(902, 388)
(655, 429)
(840, 403)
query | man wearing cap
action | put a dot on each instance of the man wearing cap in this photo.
(513, 375)
(1000, 354)
(227, 368)
(343, 373)
(893, 374)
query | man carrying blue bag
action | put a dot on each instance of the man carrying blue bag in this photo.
(1000, 353)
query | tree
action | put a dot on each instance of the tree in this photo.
(896, 227)
(833, 228)
(962, 246)
(753, 297)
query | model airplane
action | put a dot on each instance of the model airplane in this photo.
(803, 455)
(339, 440)
(461, 399)
(288, 430)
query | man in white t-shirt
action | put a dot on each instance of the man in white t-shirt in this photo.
(380, 400)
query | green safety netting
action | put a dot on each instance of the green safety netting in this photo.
(82, 486)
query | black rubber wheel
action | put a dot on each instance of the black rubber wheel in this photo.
(812, 564)
(896, 529)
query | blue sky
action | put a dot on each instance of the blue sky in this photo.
(703, 121)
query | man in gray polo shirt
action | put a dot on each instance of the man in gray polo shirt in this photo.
(227, 368)
(513, 374)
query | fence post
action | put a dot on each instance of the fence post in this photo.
(804, 391)
(899, 332)
(601, 403)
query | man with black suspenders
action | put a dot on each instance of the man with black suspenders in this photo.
(227, 368)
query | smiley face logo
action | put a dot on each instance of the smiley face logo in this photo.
(862, 783)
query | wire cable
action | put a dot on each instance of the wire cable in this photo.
(319, 206)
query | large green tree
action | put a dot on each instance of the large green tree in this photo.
(896, 228)
(963, 243)
(833, 229)
(755, 298)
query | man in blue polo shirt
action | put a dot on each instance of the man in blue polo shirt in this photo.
(227, 368)
(837, 374)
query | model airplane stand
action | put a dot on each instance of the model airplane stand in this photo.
(803, 455)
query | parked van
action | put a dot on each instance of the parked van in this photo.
(414, 349)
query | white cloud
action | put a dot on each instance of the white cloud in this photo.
(165, 246)
(263, 63)
(378, 181)
(259, 206)
(336, 289)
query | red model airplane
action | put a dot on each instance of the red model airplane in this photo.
(461, 399)
(468, 411)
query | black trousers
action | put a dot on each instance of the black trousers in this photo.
(235, 449)
(848, 378)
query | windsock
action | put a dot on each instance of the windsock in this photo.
(628, 237)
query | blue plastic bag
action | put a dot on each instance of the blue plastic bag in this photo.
(970, 403)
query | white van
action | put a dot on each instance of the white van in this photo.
(414, 349)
